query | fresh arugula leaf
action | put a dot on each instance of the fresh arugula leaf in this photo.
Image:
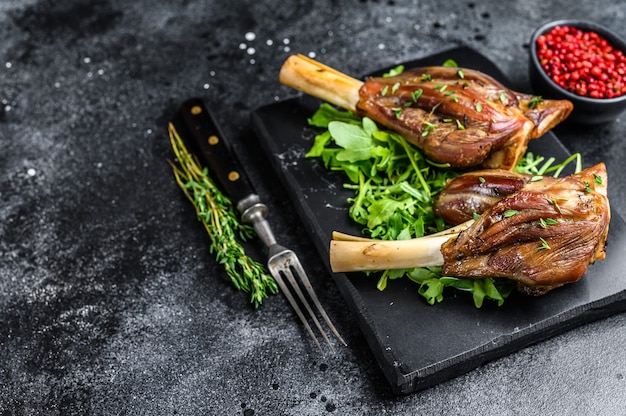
(319, 144)
(357, 144)
(327, 113)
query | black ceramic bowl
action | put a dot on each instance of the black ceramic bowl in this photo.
(587, 110)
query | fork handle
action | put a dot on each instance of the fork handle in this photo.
(195, 122)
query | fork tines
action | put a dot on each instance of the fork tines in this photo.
(285, 263)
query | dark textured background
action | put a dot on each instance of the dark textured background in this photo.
(109, 300)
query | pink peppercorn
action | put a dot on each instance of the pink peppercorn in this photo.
(582, 62)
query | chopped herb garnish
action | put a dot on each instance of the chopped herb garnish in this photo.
(426, 77)
(481, 179)
(597, 179)
(460, 74)
(415, 95)
(544, 222)
(451, 63)
(535, 101)
(479, 106)
(555, 203)
(395, 87)
(503, 98)
(385, 90)
(428, 128)
(544, 244)
(510, 212)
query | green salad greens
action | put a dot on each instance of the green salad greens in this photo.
(394, 189)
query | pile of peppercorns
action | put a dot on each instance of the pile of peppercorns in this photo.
(582, 62)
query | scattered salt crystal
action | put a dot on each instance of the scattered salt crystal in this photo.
(388, 19)
(311, 55)
(251, 51)
(381, 46)
(250, 36)
(149, 131)
(8, 64)
(242, 46)
(212, 73)
(100, 71)
(286, 41)
(206, 86)
(87, 60)
(269, 42)
(287, 48)
(31, 172)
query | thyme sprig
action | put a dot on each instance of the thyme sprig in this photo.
(218, 215)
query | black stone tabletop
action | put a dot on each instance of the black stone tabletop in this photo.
(110, 301)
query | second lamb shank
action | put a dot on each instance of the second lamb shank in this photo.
(457, 116)
(542, 235)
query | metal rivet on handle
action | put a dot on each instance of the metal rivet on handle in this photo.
(213, 140)
(196, 109)
(233, 175)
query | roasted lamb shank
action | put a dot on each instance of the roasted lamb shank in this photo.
(542, 236)
(455, 115)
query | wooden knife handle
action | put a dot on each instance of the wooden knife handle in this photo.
(196, 125)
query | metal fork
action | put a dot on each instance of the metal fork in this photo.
(283, 262)
(195, 122)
